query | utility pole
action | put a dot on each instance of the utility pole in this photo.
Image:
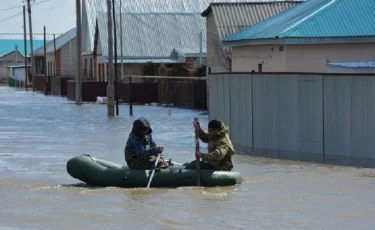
(54, 51)
(115, 34)
(25, 46)
(110, 88)
(45, 62)
(200, 47)
(31, 45)
(121, 42)
(79, 51)
(130, 97)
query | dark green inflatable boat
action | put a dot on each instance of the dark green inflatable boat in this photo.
(96, 172)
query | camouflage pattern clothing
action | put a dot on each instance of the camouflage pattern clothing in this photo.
(140, 150)
(220, 150)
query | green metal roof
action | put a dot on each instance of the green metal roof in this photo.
(9, 45)
(314, 19)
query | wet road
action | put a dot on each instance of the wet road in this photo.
(39, 134)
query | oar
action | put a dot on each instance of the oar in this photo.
(153, 171)
(174, 162)
(197, 159)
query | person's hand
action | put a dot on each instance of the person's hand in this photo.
(196, 124)
(159, 149)
(198, 153)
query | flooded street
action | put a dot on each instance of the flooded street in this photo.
(39, 134)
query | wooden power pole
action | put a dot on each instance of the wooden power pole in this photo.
(115, 66)
(79, 51)
(31, 45)
(25, 48)
(110, 88)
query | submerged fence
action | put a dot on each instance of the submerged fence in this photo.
(329, 115)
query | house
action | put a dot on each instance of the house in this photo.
(17, 72)
(12, 52)
(61, 63)
(323, 36)
(169, 38)
(162, 32)
(224, 19)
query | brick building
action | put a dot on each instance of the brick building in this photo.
(63, 63)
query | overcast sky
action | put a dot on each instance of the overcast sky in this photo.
(58, 16)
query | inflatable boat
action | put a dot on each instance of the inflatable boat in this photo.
(102, 173)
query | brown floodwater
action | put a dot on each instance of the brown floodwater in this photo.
(39, 134)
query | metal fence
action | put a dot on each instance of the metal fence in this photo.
(329, 115)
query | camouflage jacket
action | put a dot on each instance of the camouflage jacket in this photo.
(220, 149)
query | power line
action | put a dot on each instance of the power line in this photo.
(19, 13)
(54, 7)
(10, 17)
(64, 1)
(28, 33)
(11, 8)
(33, 4)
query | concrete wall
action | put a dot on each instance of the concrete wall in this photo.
(326, 115)
(273, 58)
(300, 58)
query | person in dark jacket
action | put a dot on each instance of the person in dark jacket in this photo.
(141, 151)
(220, 148)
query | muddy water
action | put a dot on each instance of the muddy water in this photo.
(39, 134)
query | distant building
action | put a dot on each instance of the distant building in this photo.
(63, 63)
(162, 32)
(224, 19)
(18, 72)
(325, 36)
(12, 53)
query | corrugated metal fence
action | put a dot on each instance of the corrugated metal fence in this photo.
(330, 115)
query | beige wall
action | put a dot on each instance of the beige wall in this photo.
(313, 58)
(301, 58)
(247, 58)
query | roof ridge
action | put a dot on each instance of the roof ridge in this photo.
(309, 17)
(255, 2)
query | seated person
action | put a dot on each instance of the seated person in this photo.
(141, 151)
(220, 148)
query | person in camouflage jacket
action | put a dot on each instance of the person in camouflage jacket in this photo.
(141, 151)
(220, 148)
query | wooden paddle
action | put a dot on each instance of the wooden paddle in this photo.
(153, 171)
(197, 159)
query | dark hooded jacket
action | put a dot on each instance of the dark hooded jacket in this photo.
(140, 146)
